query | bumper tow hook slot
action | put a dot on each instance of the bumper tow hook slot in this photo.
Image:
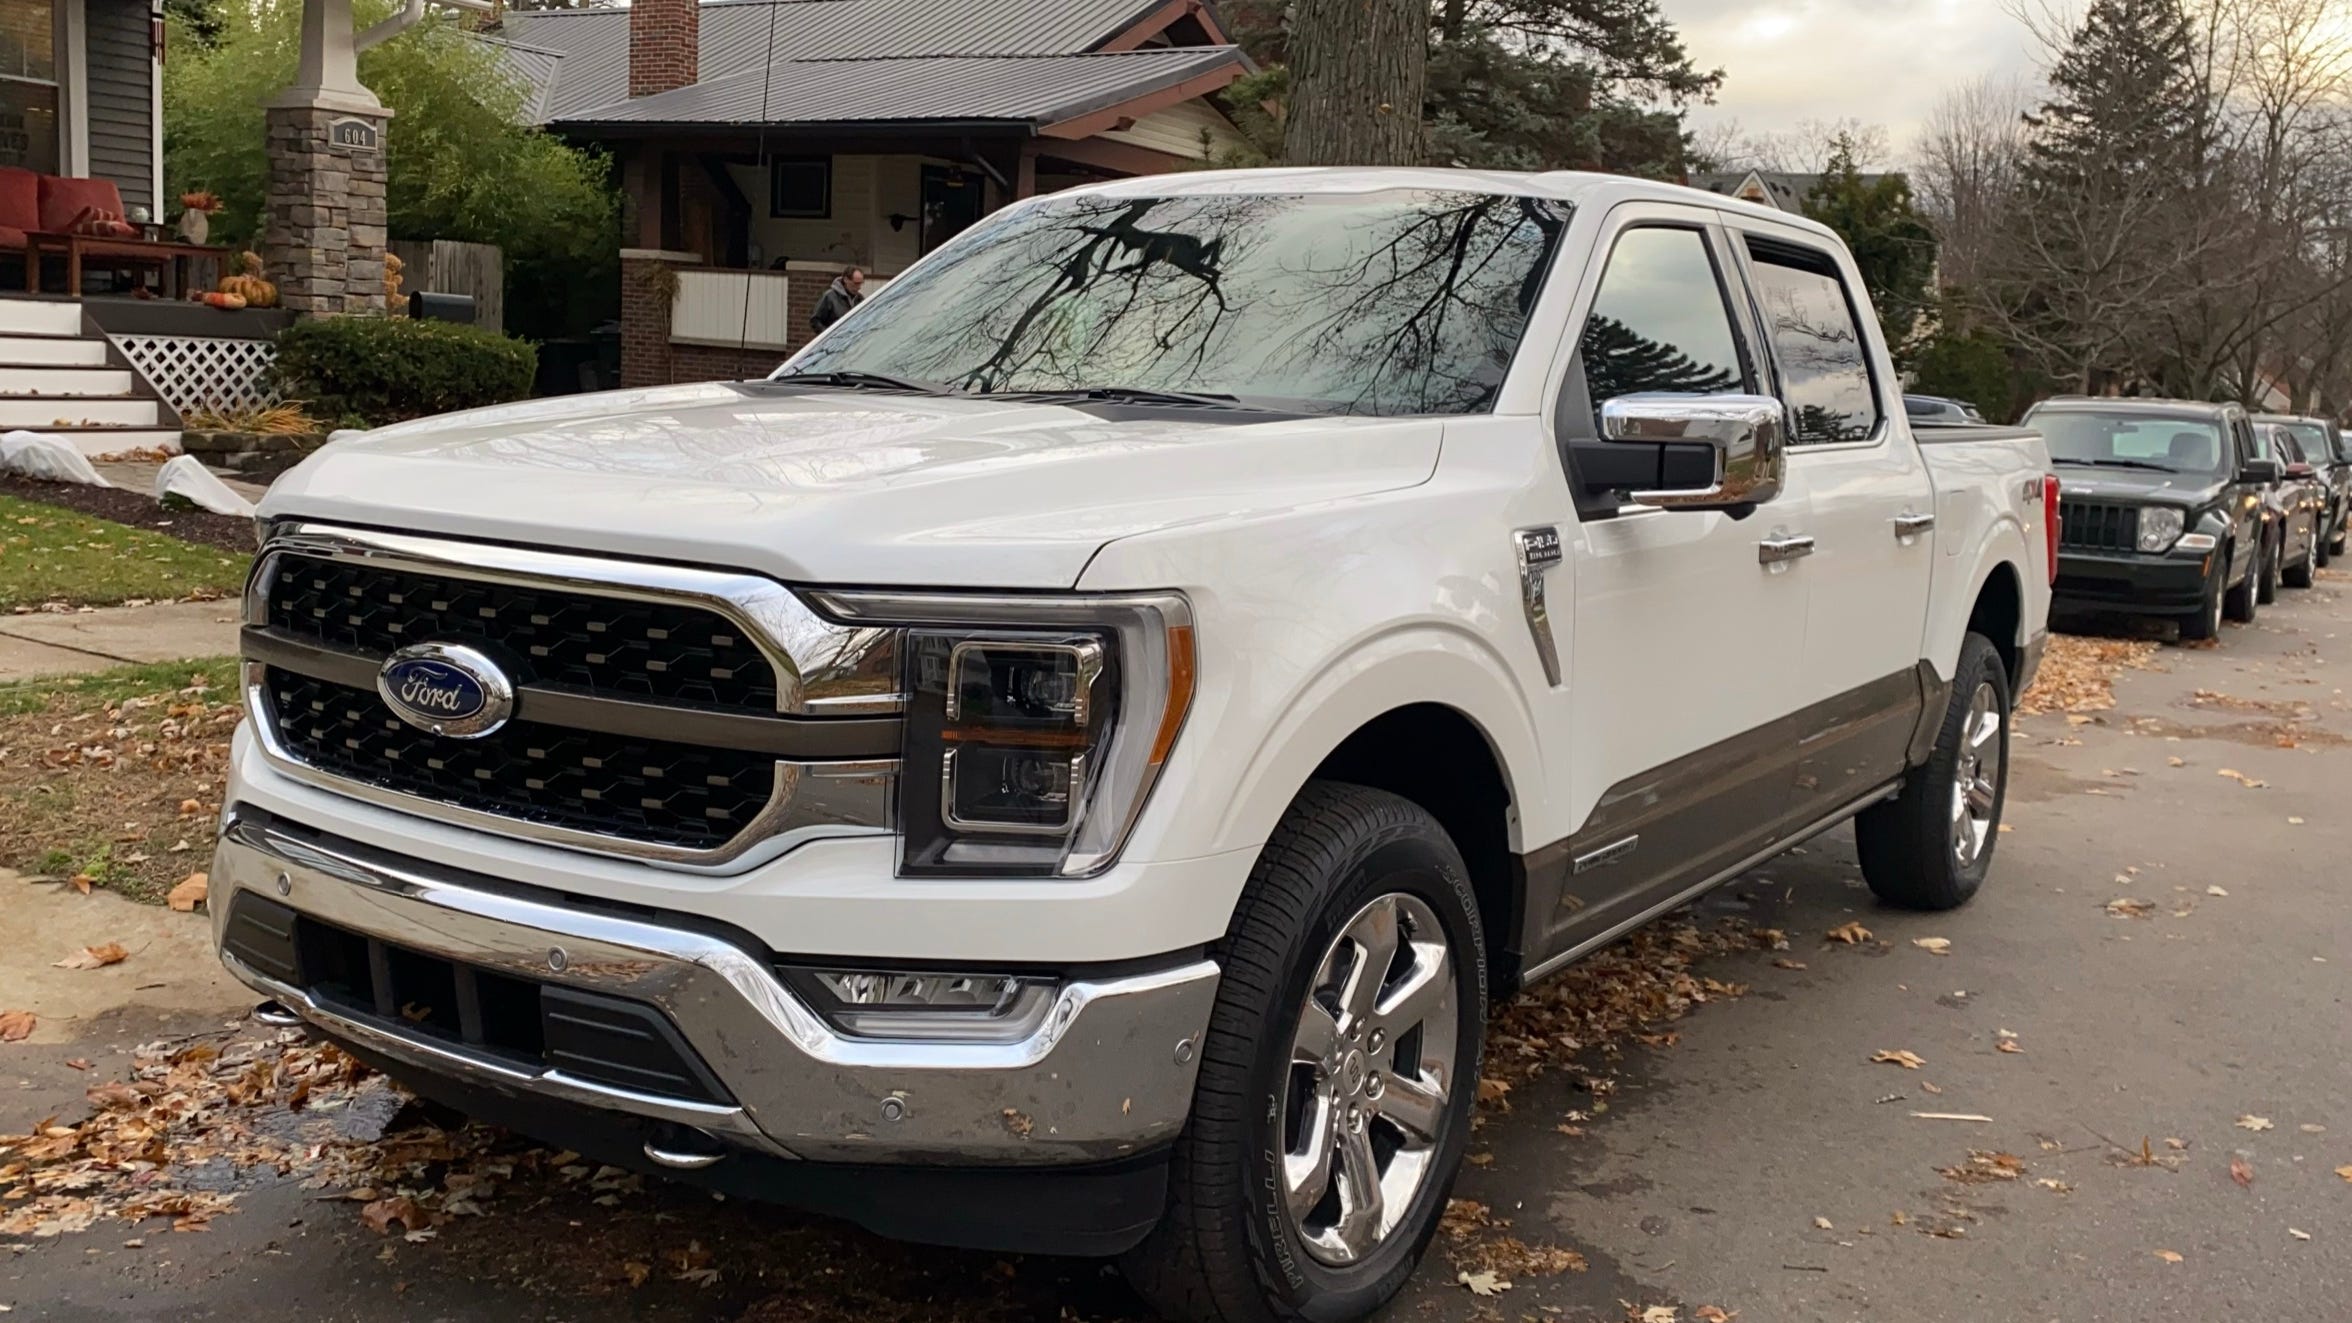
(276, 1015)
(685, 1150)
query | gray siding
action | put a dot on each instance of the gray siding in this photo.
(122, 124)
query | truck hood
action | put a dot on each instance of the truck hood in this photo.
(843, 487)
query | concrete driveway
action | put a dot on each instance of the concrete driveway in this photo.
(2163, 1136)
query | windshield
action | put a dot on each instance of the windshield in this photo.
(2314, 437)
(1399, 302)
(2175, 445)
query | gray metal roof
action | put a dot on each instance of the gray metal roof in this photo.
(1035, 89)
(593, 70)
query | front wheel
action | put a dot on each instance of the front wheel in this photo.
(1337, 1077)
(2267, 593)
(2206, 624)
(2240, 602)
(2298, 575)
(1929, 847)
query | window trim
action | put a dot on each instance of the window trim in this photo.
(1745, 249)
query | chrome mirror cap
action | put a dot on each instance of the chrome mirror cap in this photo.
(1749, 434)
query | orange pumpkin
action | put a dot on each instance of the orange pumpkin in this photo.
(248, 285)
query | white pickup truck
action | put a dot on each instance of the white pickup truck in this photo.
(1068, 763)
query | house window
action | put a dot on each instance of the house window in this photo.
(801, 189)
(28, 85)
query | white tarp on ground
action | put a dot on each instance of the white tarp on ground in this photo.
(52, 459)
(186, 477)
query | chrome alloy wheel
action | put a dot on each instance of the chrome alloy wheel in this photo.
(1371, 1069)
(1976, 777)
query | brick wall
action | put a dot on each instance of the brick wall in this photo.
(665, 45)
(645, 325)
(648, 358)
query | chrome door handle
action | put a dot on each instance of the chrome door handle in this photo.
(1780, 550)
(1909, 525)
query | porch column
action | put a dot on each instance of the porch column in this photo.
(323, 230)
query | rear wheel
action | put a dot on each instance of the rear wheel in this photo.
(1929, 847)
(1337, 1076)
(2271, 556)
(2239, 602)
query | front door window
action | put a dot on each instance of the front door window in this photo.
(28, 85)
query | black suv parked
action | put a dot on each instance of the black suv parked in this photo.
(2329, 451)
(2160, 508)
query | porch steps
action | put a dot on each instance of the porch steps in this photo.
(56, 380)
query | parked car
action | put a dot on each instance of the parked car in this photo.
(1931, 409)
(1068, 763)
(2295, 506)
(2161, 508)
(2325, 445)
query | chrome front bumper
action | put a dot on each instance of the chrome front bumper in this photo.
(1108, 1072)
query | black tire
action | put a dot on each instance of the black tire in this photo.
(1908, 843)
(2206, 624)
(2267, 593)
(1227, 1251)
(2240, 601)
(2323, 546)
(2299, 575)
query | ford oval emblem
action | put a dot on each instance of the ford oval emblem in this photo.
(446, 688)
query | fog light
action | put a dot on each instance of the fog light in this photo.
(935, 1006)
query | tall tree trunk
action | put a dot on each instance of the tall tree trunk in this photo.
(1357, 71)
(1457, 17)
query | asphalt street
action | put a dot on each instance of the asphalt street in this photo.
(2161, 1137)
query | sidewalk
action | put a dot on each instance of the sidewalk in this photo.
(84, 641)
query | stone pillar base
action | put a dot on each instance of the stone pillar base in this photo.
(323, 232)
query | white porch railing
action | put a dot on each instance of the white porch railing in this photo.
(710, 309)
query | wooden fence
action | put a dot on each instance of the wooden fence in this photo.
(445, 266)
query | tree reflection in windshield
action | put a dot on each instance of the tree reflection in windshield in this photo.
(1398, 302)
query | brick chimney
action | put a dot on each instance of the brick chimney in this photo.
(665, 45)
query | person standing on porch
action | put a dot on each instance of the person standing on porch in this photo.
(846, 292)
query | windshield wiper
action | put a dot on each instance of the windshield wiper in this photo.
(2121, 464)
(862, 381)
(1134, 395)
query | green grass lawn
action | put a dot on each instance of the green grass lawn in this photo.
(53, 555)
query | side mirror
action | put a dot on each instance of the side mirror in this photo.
(2263, 471)
(1746, 437)
(2300, 470)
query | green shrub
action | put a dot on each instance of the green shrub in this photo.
(390, 369)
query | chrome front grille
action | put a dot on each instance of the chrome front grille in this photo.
(659, 713)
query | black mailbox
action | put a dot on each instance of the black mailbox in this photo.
(429, 307)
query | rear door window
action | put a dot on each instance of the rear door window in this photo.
(1817, 341)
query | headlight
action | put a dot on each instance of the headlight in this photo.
(2160, 527)
(1034, 726)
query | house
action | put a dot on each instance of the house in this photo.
(81, 92)
(1779, 189)
(766, 145)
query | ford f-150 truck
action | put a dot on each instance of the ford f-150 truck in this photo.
(1069, 761)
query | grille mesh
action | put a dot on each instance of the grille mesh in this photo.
(2098, 526)
(608, 647)
(676, 795)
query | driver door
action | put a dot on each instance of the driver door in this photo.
(1687, 626)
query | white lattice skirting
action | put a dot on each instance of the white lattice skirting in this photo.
(203, 374)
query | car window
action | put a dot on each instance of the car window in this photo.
(1659, 322)
(1824, 366)
(2176, 445)
(2290, 450)
(2313, 438)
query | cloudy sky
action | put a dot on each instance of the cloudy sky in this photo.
(1881, 61)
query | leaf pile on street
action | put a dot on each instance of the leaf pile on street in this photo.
(2078, 674)
(1602, 1002)
(1486, 1259)
(115, 780)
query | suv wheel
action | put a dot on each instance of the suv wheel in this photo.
(2271, 556)
(2239, 602)
(1337, 1077)
(1929, 847)
(2206, 623)
(2298, 575)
